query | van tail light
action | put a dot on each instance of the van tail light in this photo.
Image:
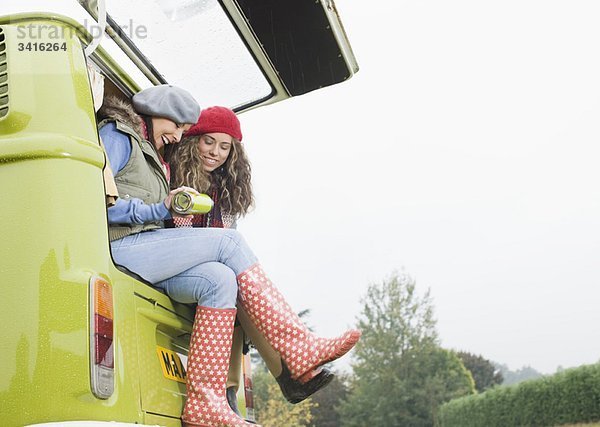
(102, 360)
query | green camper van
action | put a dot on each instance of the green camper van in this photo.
(81, 339)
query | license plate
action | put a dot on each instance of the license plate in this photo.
(171, 364)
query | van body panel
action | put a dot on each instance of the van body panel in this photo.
(54, 229)
(162, 334)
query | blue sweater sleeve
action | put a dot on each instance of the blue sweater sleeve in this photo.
(117, 145)
(134, 211)
(130, 210)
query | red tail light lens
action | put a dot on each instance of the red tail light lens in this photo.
(101, 338)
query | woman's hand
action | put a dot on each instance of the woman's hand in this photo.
(169, 200)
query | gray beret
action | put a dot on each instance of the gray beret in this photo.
(167, 101)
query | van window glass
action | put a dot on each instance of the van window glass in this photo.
(193, 44)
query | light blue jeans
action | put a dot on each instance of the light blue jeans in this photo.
(192, 265)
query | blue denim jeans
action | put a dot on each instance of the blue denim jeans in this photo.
(192, 265)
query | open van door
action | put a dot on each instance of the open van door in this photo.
(240, 53)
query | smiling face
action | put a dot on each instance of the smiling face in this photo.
(214, 149)
(165, 131)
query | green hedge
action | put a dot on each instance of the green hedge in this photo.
(571, 396)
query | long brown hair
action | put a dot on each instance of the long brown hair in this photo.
(231, 181)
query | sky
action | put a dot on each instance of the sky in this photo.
(463, 153)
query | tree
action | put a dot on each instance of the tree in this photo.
(324, 413)
(484, 373)
(272, 410)
(434, 376)
(401, 375)
(514, 377)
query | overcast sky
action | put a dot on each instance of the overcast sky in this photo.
(465, 153)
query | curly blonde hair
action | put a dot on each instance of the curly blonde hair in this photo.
(231, 182)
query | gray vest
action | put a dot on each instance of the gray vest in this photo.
(142, 178)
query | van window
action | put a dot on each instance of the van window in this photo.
(194, 45)
(191, 43)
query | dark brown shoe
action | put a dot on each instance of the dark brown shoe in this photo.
(295, 391)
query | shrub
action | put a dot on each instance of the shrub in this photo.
(571, 396)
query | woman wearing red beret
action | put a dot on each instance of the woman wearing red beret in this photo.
(212, 159)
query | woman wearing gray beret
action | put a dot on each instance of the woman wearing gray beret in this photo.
(216, 263)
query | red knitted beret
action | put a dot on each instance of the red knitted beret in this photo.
(217, 119)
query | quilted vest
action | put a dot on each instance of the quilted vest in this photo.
(142, 177)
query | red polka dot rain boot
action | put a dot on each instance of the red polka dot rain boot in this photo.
(208, 362)
(299, 348)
